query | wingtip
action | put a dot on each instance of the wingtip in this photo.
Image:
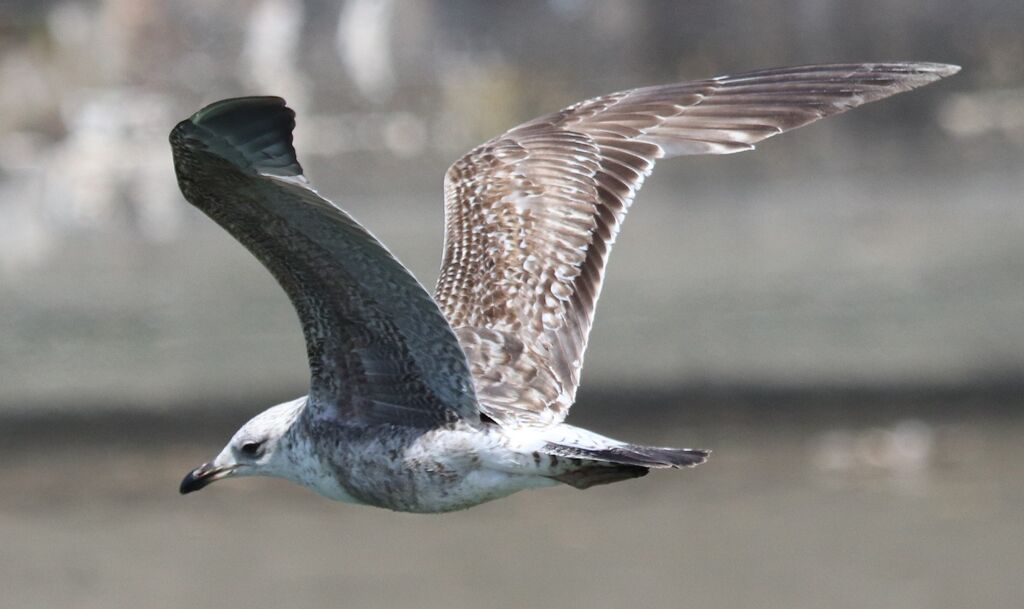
(912, 74)
(217, 109)
(940, 70)
(253, 132)
(913, 70)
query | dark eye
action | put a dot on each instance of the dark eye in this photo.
(251, 449)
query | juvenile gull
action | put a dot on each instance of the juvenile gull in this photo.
(428, 404)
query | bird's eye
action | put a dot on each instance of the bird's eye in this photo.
(251, 449)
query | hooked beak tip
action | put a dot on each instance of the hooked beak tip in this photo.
(202, 476)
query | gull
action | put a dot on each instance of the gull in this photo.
(432, 404)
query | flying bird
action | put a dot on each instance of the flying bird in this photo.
(431, 404)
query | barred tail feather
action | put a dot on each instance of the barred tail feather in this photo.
(597, 459)
(621, 462)
(633, 454)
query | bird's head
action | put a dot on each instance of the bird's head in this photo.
(258, 448)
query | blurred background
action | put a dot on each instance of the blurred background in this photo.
(839, 315)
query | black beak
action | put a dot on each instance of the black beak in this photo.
(202, 476)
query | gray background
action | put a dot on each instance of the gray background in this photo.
(838, 314)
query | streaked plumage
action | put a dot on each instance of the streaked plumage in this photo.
(432, 404)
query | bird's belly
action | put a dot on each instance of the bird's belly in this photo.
(440, 471)
(473, 488)
(434, 486)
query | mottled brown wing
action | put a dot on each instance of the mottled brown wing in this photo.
(532, 214)
(379, 348)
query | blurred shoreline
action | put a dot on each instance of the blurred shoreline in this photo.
(129, 426)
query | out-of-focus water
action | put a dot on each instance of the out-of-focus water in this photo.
(921, 511)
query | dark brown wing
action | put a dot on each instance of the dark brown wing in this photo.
(379, 348)
(532, 214)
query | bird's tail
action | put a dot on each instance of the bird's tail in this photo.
(601, 460)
